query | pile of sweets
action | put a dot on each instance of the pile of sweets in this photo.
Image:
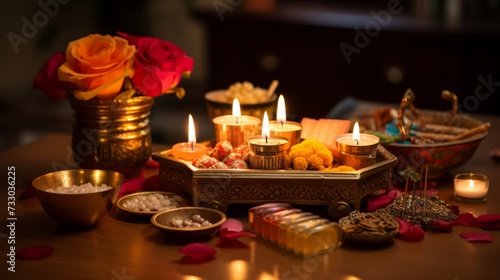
(224, 156)
(310, 154)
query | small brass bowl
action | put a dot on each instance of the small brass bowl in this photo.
(162, 219)
(123, 200)
(216, 107)
(78, 210)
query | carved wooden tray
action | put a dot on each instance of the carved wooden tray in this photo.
(341, 192)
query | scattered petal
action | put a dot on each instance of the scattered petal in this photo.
(466, 219)
(234, 236)
(489, 221)
(197, 251)
(151, 163)
(131, 185)
(382, 200)
(152, 184)
(29, 192)
(442, 226)
(410, 231)
(34, 252)
(477, 237)
(230, 225)
(432, 190)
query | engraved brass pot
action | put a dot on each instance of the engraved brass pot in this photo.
(112, 134)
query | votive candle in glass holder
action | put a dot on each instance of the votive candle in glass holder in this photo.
(357, 150)
(471, 187)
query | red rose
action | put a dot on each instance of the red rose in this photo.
(159, 65)
(47, 80)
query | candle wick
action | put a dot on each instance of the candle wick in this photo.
(357, 142)
(282, 124)
(266, 138)
(192, 146)
(237, 120)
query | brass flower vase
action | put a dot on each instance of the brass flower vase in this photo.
(112, 134)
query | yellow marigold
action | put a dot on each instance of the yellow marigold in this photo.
(326, 156)
(345, 168)
(301, 152)
(315, 162)
(300, 163)
(288, 162)
(341, 168)
(314, 153)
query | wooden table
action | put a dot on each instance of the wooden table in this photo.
(123, 248)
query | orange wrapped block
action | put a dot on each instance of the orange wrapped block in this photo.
(326, 131)
(303, 233)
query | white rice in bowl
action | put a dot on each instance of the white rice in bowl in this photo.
(84, 188)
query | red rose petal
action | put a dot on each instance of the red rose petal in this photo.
(29, 192)
(152, 163)
(230, 225)
(131, 185)
(152, 184)
(489, 221)
(34, 252)
(409, 230)
(442, 226)
(466, 219)
(234, 236)
(197, 251)
(488, 218)
(477, 237)
(382, 200)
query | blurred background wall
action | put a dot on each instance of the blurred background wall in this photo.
(320, 51)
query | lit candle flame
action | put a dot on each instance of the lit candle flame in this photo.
(471, 184)
(265, 126)
(191, 133)
(355, 134)
(236, 109)
(281, 111)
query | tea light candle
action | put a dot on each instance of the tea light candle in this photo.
(357, 150)
(268, 152)
(471, 188)
(189, 150)
(235, 128)
(283, 128)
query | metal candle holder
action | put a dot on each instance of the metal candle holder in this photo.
(357, 156)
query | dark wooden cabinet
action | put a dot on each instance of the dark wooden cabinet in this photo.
(302, 50)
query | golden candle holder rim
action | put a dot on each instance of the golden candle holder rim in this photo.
(357, 149)
(263, 149)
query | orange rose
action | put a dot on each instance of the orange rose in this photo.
(97, 65)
